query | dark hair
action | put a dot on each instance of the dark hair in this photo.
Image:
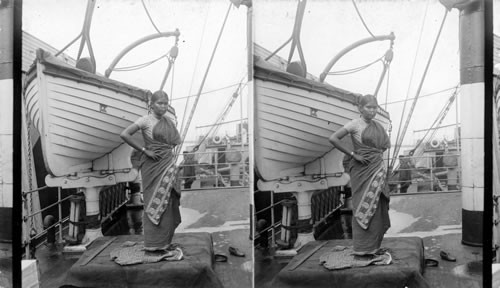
(158, 95)
(365, 99)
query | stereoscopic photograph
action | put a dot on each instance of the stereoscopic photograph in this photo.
(135, 144)
(240, 143)
(369, 143)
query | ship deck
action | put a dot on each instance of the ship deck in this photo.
(435, 218)
(201, 211)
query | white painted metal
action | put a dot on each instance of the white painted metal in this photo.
(472, 146)
(6, 149)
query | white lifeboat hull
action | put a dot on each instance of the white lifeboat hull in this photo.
(294, 117)
(80, 116)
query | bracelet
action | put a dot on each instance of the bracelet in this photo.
(143, 149)
(352, 153)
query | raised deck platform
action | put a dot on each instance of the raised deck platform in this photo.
(405, 270)
(436, 219)
(201, 211)
(96, 269)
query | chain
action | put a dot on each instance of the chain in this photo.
(29, 198)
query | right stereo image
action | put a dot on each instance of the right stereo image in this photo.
(369, 143)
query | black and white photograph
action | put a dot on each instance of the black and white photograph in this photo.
(496, 145)
(135, 144)
(6, 140)
(249, 143)
(369, 143)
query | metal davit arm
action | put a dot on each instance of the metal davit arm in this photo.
(127, 49)
(295, 38)
(351, 47)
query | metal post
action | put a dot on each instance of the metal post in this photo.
(273, 237)
(472, 49)
(6, 119)
(60, 213)
(92, 231)
(432, 168)
(216, 160)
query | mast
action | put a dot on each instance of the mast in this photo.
(472, 44)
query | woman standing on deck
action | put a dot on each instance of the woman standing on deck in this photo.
(370, 196)
(161, 210)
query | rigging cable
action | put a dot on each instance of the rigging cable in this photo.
(412, 70)
(174, 51)
(207, 92)
(387, 89)
(362, 20)
(438, 121)
(400, 141)
(140, 66)
(195, 65)
(28, 198)
(390, 123)
(354, 70)
(186, 128)
(149, 16)
(214, 128)
(172, 83)
(421, 96)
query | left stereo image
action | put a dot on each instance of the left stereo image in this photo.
(135, 144)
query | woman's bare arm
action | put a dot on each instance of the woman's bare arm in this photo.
(126, 135)
(335, 140)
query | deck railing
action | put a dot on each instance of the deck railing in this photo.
(274, 227)
(111, 199)
(28, 218)
(441, 174)
(218, 173)
(215, 169)
(324, 203)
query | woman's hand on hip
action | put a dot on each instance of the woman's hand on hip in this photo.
(360, 159)
(151, 154)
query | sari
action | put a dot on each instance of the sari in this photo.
(161, 196)
(370, 194)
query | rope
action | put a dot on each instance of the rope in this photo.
(207, 92)
(172, 83)
(387, 89)
(412, 71)
(184, 133)
(28, 202)
(390, 123)
(354, 70)
(140, 66)
(195, 65)
(439, 119)
(149, 16)
(362, 20)
(398, 143)
(222, 115)
(422, 96)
